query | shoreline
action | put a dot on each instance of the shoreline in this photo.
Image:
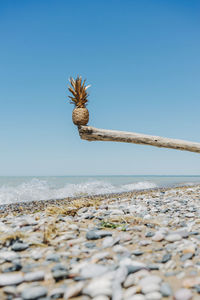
(34, 205)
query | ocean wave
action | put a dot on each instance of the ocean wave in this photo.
(37, 189)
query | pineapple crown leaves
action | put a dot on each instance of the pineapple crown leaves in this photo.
(79, 91)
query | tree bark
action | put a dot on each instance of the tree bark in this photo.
(94, 134)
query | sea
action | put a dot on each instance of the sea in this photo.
(20, 189)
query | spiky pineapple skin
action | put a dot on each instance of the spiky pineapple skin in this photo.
(80, 116)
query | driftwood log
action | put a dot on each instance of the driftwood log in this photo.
(94, 134)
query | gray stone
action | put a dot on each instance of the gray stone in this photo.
(166, 258)
(17, 246)
(10, 279)
(53, 257)
(165, 289)
(34, 276)
(97, 234)
(32, 293)
(186, 256)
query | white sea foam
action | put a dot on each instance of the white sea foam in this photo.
(37, 189)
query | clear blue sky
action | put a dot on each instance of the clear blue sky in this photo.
(143, 61)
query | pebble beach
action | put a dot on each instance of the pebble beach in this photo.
(141, 245)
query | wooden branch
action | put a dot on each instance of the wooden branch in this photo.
(94, 134)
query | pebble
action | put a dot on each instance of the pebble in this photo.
(186, 256)
(98, 234)
(97, 287)
(173, 237)
(93, 270)
(166, 258)
(32, 293)
(17, 246)
(165, 289)
(149, 288)
(151, 279)
(153, 296)
(10, 279)
(34, 276)
(183, 294)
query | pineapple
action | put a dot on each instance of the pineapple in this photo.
(80, 115)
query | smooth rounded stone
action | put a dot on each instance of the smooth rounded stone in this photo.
(153, 296)
(10, 279)
(57, 293)
(17, 246)
(8, 256)
(166, 258)
(93, 270)
(97, 287)
(110, 242)
(90, 245)
(92, 235)
(35, 292)
(74, 290)
(34, 276)
(137, 252)
(165, 289)
(149, 288)
(97, 234)
(186, 256)
(174, 237)
(120, 249)
(183, 294)
(150, 279)
(53, 257)
(158, 237)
